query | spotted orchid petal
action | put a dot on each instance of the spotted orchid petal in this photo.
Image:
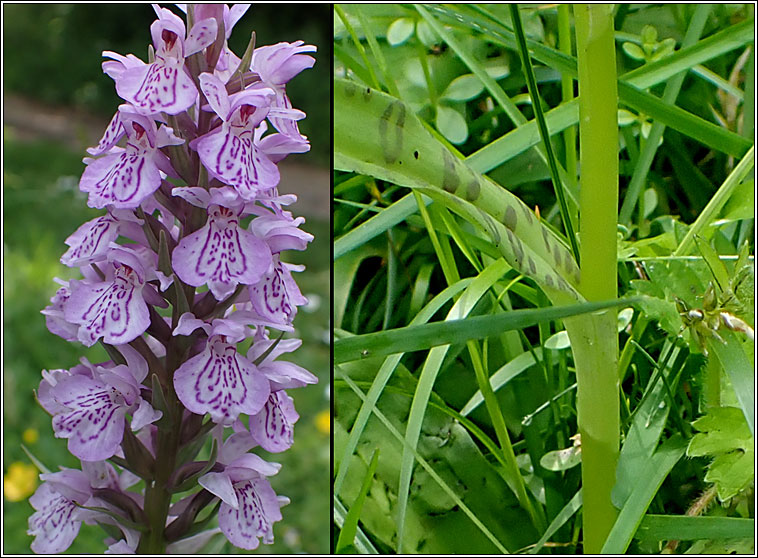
(120, 179)
(234, 159)
(112, 310)
(94, 422)
(56, 522)
(199, 197)
(254, 517)
(221, 254)
(272, 428)
(89, 243)
(55, 318)
(221, 382)
(229, 152)
(163, 86)
(277, 146)
(167, 21)
(123, 178)
(276, 296)
(236, 445)
(114, 132)
(202, 35)
(215, 92)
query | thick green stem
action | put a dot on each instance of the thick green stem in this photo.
(594, 339)
(567, 88)
(158, 493)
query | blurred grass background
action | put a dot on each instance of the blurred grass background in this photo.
(53, 62)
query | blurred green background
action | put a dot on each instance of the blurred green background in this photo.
(56, 98)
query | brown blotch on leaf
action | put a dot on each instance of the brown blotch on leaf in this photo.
(510, 218)
(450, 179)
(527, 213)
(546, 238)
(518, 250)
(472, 192)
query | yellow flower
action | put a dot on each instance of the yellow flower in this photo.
(30, 436)
(20, 482)
(324, 421)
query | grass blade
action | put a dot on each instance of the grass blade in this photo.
(350, 526)
(739, 369)
(684, 528)
(376, 225)
(361, 541)
(650, 480)
(537, 105)
(422, 337)
(717, 202)
(559, 521)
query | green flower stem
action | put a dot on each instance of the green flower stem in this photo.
(594, 340)
(157, 494)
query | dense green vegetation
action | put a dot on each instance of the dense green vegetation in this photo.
(600, 432)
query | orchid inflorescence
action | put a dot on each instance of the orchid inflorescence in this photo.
(191, 201)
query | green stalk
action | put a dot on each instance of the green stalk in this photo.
(567, 88)
(157, 493)
(594, 340)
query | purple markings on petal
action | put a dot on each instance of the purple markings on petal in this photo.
(221, 254)
(277, 295)
(54, 525)
(158, 90)
(231, 156)
(202, 34)
(114, 311)
(162, 86)
(122, 180)
(272, 428)
(257, 512)
(221, 382)
(90, 241)
(55, 317)
(94, 421)
(113, 133)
